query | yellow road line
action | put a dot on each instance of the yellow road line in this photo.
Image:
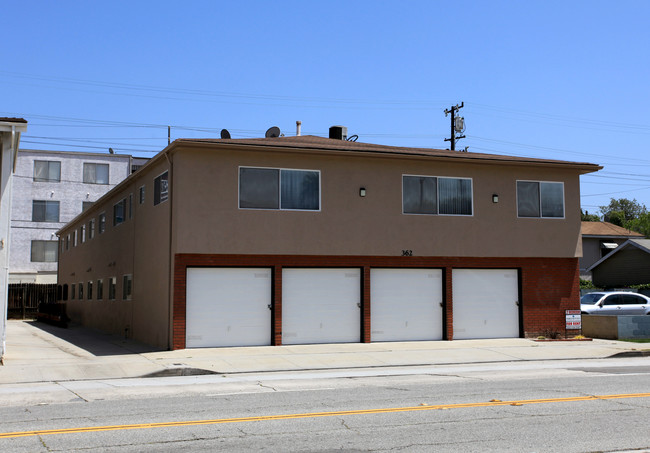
(92, 429)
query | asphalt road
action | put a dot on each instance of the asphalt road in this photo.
(568, 406)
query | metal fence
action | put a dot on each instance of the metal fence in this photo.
(23, 299)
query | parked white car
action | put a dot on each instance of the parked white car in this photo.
(614, 303)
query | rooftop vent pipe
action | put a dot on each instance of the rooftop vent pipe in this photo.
(339, 132)
(298, 124)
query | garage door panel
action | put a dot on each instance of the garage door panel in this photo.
(406, 304)
(321, 306)
(485, 303)
(228, 307)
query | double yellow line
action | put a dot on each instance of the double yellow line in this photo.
(424, 407)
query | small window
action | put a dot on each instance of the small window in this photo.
(45, 211)
(67, 242)
(82, 233)
(272, 188)
(436, 195)
(119, 210)
(74, 238)
(73, 291)
(102, 222)
(100, 289)
(81, 291)
(141, 194)
(89, 290)
(91, 229)
(44, 251)
(127, 287)
(47, 171)
(130, 208)
(65, 292)
(160, 189)
(95, 173)
(111, 288)
(540, 199)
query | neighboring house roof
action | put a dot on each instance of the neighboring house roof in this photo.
(641, 244)
(5, 119)
(606, 229)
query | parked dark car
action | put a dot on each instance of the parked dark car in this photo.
(614, 303)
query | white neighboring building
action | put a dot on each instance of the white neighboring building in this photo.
(50, 188)
(10, 130)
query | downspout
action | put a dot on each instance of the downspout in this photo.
(170, 286)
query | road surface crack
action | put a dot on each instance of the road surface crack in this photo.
(267, 386)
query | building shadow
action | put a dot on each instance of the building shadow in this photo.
(93, 341)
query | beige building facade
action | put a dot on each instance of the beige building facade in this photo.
(294, 211)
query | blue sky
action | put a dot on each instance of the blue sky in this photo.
(550, 79)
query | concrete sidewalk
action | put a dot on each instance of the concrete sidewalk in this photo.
(38, 352)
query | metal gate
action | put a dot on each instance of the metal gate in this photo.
(23, 298)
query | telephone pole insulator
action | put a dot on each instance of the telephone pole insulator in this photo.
(457, 124)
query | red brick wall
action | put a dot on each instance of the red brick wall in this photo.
(548, 286)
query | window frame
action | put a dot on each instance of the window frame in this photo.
(539, 200)
(112, 287)
(101, 222)
(437, 179)
(117, 220)
(94, 181)
(142, 194)
(127, 286)
(279, 170)
(45, 204)
(157, 188)
(100, 289)
(48, 162)
(44, 252)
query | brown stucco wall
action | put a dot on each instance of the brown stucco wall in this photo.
(206, 180)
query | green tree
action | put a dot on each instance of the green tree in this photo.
(586, 217)
(641, 224)
(622, 210)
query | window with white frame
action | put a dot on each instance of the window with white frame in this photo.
(89, 290)
(160, 189)
(284, 189)
(45, 211)
(82, 233)
(95, 173)
(540, 199)
(127, 287)
(44, 251)
(436, 195)
(102, 223)
(47, 171)
(91, 229)
(119, 210)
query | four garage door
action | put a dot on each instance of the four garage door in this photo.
(231, 306)
(228, 307)
(321, 306)
(406, 304)
(485, 303)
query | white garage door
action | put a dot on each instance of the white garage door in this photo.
(228, 307)
(485, 303)
(405, 304)
(321, 306)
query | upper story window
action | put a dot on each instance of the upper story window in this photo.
(160, 188)
(47, 171)
(91, 229)
(141, 194)
(102, 223)
(82, 233)
(436, 195)
(119, 210)
(45, 211)
(95, 173)
(44, 251)
(540, 199)
(272, 188)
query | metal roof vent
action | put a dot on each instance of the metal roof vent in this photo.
(339, 132)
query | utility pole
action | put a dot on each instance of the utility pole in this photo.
(169, 135)
(457, 124)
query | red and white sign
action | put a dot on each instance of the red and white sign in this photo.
(573, 320)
